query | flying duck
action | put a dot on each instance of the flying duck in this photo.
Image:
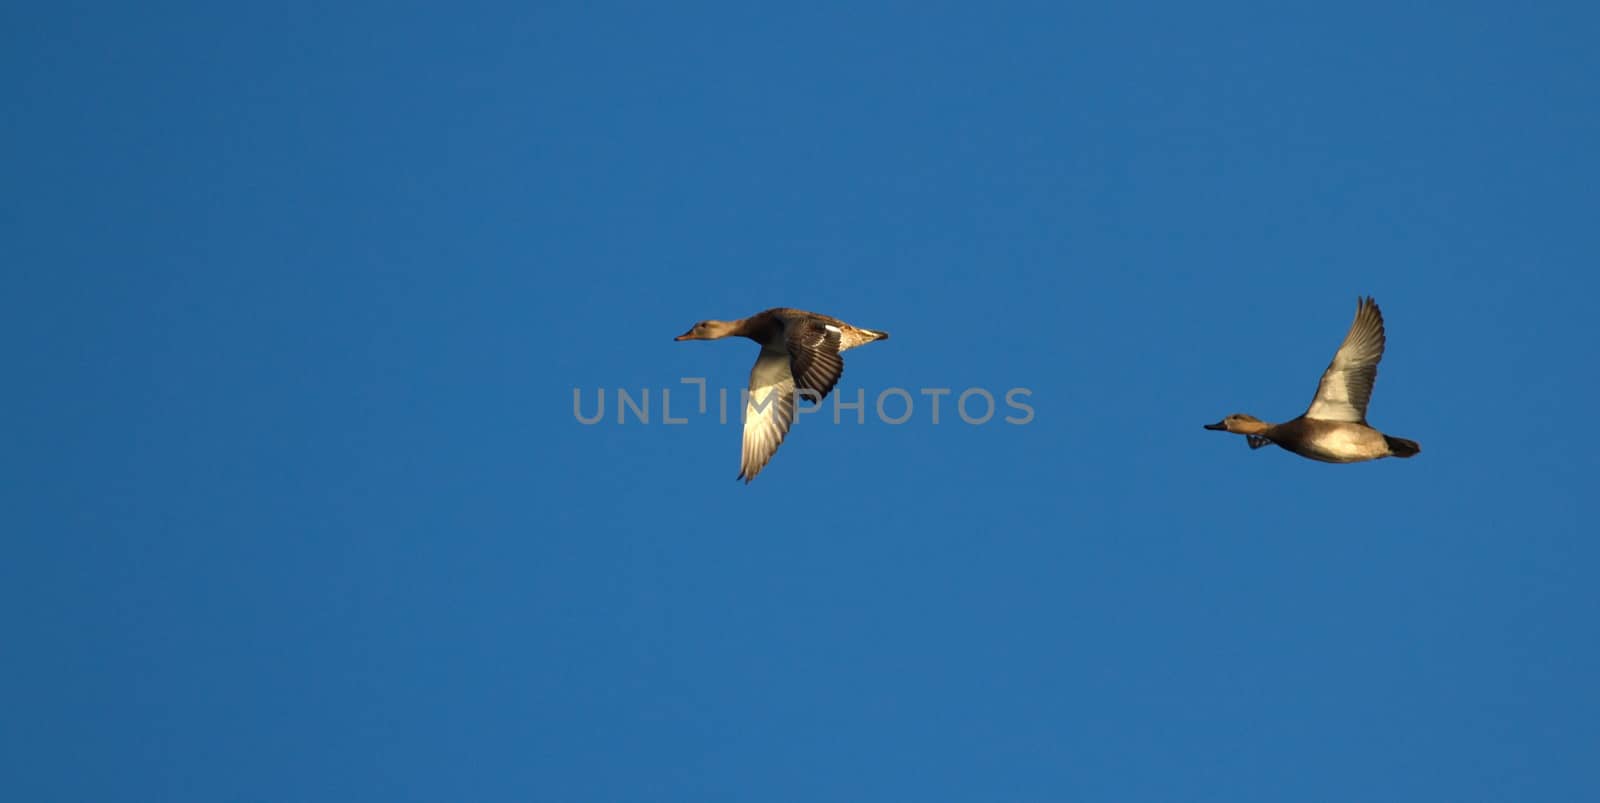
(800, 351)
(1334, 429)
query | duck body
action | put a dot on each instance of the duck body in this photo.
(1334, 428)
(1330, 441)
(771, 328)
(799, 358)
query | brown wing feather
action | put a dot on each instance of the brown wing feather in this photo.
(814, 357)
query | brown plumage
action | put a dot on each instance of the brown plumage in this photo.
(800, 351)
(1334, 428)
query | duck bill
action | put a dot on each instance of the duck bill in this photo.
(1219, 426)
(689, 335)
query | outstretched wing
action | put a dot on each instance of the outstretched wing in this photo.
(768, 413)
(1346, 386)
(814, 356)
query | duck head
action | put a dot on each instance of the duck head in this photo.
(1241, 424)
(707, 330)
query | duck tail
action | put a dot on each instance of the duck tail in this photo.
(856, 336)
(1400, 447)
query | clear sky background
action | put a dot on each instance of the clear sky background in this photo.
(296, 506)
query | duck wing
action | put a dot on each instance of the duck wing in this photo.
(1346, 386)
(814, 359)
(769, 411)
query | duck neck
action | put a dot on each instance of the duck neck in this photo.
(1252, 427)
(763, 329)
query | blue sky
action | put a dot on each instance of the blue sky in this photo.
(299, 510)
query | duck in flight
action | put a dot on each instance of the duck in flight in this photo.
(799, 351)
(1334, 429)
